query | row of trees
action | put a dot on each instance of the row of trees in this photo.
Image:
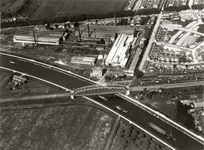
(13, 7)
(148, 11)
(200, 6)
(72, 18)
(177, 8)
(131, 138)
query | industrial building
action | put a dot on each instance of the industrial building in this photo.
(50, 40)
(197, 104)
(118, 54)
(83, 60)
(134, 62)
(98, 72)
(102, 32)
(41, 37)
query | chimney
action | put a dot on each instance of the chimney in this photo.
(115, 21)
(79, 33)
(88, 30)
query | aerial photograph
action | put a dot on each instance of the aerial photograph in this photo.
(102, 75)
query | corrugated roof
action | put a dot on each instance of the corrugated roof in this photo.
(27, 37)
(83, 60)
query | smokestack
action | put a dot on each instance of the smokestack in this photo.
(79, 33)
(88, 30)
(115, 21)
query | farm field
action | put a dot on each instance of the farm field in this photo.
(3, 1)
(64, 8)
(57, 128)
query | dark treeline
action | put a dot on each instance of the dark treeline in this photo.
(74, 18)
(199, 6)
(148, 11)
(177, 8)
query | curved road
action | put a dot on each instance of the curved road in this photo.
(135, 114)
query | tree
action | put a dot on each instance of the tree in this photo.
(176, 8)
(198, 6)
(108, 78)
(138, 73)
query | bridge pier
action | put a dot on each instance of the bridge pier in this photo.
(127, 92)
(72, 95)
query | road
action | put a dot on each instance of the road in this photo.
(186, 30)
(167, 86)
(151, 40)
(136, 114)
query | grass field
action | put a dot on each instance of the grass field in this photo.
(4, 1)
(57, 128)
(64, 8)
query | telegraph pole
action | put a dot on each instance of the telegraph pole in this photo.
(35, 43)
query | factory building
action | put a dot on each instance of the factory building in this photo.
(118, 53)
(41, 37)
(198, 104)
(98, 72)
(107, 33)
(83, 60)
(50, 40)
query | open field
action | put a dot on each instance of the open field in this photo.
(57, 128)
(4, 1)
(64, 8)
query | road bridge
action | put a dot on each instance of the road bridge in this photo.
(98, 90)
(112, 89)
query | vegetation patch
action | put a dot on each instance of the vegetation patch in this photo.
(73, 127)
(129, 137)
(201, 28)
(11, 8)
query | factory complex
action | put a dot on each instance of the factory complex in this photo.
(115, 42)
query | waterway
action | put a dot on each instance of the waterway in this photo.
(135, 113)
(183, 117)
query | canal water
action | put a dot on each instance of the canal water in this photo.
(183, 117)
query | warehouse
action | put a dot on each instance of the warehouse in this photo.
(117, 55)
(103, 32)
(197, 104)
(83, 60)
(41, 37)
(97, 35)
